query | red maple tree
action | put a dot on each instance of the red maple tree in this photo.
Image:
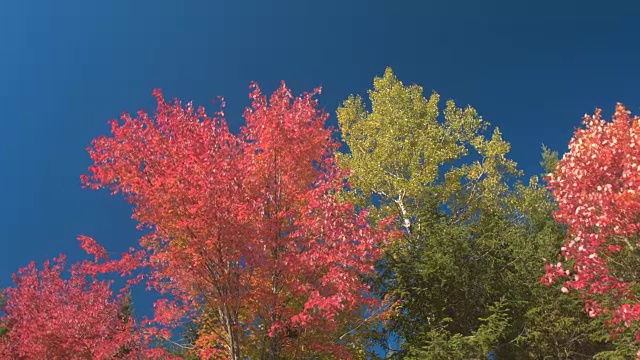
(597, 187)
(49, 317)
(246, 234)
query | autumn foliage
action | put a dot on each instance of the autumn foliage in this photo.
(261, 246)
(245, 235)
(597, 186)
(50, 316)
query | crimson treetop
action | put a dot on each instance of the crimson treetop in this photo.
(245, 231)
(597, 186)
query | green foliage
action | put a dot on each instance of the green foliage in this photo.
(549, 160)
(622, 349)
(440, 344)
(126, 310)
(126, 315)
(3, 329)
(557, 327)
(475, 234)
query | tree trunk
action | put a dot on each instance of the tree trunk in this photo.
(232, 332)
(403, 213)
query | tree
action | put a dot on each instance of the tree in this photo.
(246, 235)
(474, 235)
(596, 185)
(549, 159)
(50, 317)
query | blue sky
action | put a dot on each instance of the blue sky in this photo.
(533, 68)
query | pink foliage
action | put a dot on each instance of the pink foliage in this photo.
(247, 224)
(597, 187)
(51, 317)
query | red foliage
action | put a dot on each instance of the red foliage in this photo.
(245, 225)
(50, 317)
(597, 187)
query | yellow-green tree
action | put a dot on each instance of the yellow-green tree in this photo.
(475, 236)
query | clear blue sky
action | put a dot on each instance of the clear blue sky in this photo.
(66, 67)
